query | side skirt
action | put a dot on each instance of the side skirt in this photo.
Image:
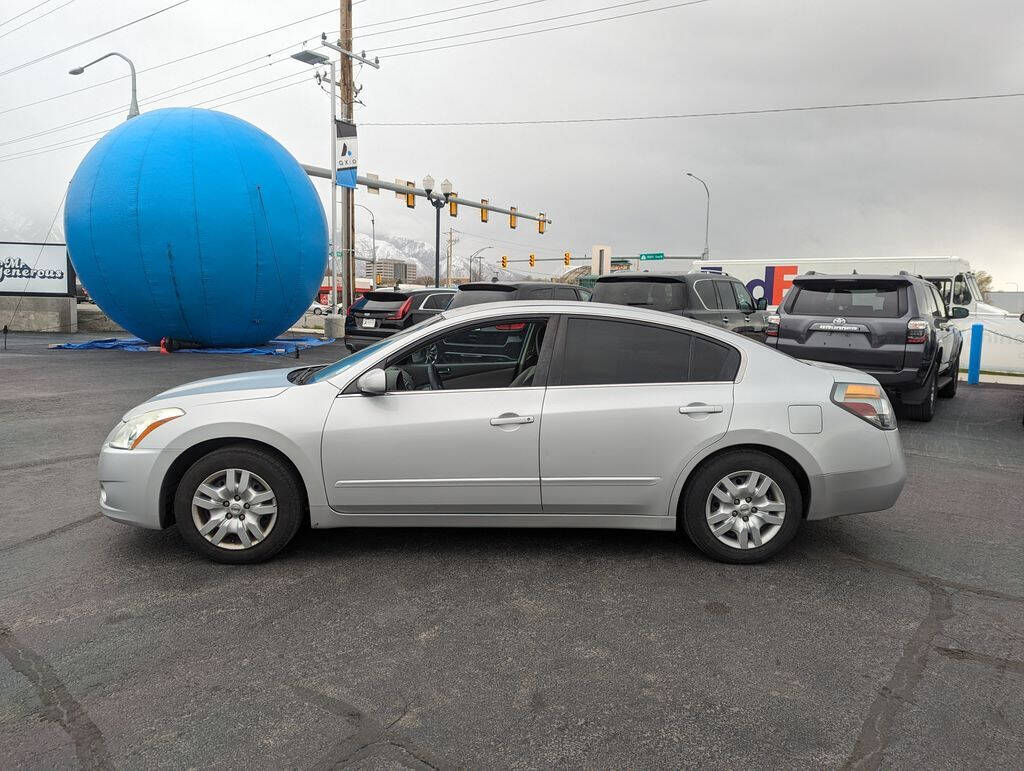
(325, 516)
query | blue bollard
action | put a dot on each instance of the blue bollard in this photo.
(974, 365)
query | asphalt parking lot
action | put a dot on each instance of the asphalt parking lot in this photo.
(893, 639)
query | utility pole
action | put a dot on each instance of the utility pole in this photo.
(348, 212)
(451, 249)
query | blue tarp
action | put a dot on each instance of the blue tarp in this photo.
(276, 347)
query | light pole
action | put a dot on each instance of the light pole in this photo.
(133, 110)
(474, 256)
(437, 201)
(707, 216)
(318, 60)
(373, 235)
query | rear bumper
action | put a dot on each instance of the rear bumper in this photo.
(858, 492)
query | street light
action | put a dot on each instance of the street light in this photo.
(318, 60)
(474, 256)
(707, 216)
(133, 110)
(437, 201)
(373, 235)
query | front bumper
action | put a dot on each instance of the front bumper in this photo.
(130, 485)
(858, 492)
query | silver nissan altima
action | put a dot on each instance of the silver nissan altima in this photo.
(522, 414)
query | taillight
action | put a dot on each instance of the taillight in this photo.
(773, 320)
(867, 402)
(400, 313)
(352, 307)
(917, 331)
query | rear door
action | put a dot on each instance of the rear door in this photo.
(708, 307)
(627, 405)
(856, 322)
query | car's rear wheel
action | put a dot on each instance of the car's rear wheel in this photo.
(238, 504)
(925, 411)
(742, 507)
(948, 391)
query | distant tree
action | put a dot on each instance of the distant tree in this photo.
(985, 282)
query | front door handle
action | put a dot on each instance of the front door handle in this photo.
(511, 420)
(695, 409)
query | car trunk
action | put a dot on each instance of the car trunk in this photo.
(377, 307)
(853, 322)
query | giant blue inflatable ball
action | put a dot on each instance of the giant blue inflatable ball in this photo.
(197, 226)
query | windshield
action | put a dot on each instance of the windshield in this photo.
(642, 293)
(861, 299)
(333, 369)
(381, 301)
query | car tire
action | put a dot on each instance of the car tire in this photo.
(268, 523)
(948, 391)
(702, 511)
(925, 411)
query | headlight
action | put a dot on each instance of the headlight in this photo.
(132, 431)
(867, 402)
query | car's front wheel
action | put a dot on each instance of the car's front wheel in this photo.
(741, 507)
(238, 504)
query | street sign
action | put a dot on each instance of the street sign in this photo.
(653, 256)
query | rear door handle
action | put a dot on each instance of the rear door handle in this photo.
(694, 409)
(511, 420)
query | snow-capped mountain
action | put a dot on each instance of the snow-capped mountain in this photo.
(421, 254)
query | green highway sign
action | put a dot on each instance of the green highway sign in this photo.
(653, 256)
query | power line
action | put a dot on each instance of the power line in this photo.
(454, 18)
(421, 15)
(539, 31)
(27, 10)
(535, 21)
(724, 114)
(50, 55)
(37, 18)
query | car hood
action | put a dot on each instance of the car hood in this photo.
(226, 388)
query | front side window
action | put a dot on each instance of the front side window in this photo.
(705, 289)
(608, 352)
(961, 292)
(489, 355)
(940, 304)
(743, 298)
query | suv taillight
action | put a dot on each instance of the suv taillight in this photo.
(352, 307)
(400, 313)
(773, 320)
(867, 402)
(917, 331)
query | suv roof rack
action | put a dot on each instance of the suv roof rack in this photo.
(711, 272)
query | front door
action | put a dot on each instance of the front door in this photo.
(628, 404)
(456, 433)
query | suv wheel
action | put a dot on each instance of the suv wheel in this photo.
(948, 391)
(238, 504)
(925, 411)
(742, 507)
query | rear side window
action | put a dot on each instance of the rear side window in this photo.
(541, 293)
(496, 294)
(883, 300)
(437, 302)
(641, 293)
(605, 352)
(383, 301)
(726, 297)
(563, 293)
(705, 289)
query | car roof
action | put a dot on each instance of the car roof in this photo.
(634, 275)
(576, 308)
(483, 285)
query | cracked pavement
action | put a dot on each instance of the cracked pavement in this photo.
(883, 640)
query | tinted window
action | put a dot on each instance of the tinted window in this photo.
(540, 293)
(705, 289)
(603, 352)
(743, 298)
(940, 304)
(584, 293)
(382, 301)
(563, 293)
(437, 302)
(496, 294)
(926, 300)
(846, 298)
(726, 297)
(641, 293)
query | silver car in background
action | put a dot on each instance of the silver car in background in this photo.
(523, 414)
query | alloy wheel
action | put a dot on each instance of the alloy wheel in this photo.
(234, 509)
(745, 509)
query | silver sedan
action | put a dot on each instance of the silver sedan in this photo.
(526, 414)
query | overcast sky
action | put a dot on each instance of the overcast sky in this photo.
(916, 180)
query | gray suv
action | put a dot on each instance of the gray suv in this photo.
(714, 298)
(895, 328)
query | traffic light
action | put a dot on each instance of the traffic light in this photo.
(541, 223)
(410, 198)
(483, 212)
(504, 261)
(533, 260)
(453, 208)
(512, 217)
(567, 258)
(380, 279)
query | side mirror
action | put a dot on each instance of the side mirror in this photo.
(373, 383)
(761, 303)
(1022, 317)
(959, 312)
